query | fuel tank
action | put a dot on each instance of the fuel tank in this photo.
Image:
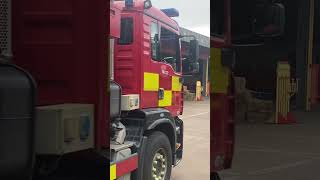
(17, 94)
(115, 100)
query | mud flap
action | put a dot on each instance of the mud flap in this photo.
(139, 172)
(179, 133)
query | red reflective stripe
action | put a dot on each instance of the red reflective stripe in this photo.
(125, 167)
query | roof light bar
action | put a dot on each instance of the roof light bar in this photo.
(171, 12)
(128, 3)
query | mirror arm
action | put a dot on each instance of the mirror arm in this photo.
(185, 36)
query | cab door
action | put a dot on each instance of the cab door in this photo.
(161, 64)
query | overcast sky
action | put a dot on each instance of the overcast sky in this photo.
(194, 15)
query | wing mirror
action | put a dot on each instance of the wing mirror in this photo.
(194, 50)
(194, 56)
(194, 67)
(192, 61)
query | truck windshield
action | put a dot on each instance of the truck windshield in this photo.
(170, 48)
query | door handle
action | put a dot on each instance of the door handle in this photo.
(161, 93)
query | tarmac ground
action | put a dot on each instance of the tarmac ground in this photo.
(277, 152)
(195, 163)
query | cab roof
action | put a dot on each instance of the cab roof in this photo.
(153, 11)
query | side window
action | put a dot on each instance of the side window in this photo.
(126, 31)
(170, 48)
(154, 39)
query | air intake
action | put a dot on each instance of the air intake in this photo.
(5, 27)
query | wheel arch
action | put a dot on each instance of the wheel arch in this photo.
(157, 119)
(167, 127)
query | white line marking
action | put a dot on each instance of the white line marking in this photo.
(194, 115)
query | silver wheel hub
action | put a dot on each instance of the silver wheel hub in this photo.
(159, 165)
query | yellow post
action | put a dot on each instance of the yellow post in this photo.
(286, 88)
(208, 89)
(198, 91)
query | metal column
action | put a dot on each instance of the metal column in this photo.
(304, 52)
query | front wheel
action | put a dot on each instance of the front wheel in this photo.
(158, 157)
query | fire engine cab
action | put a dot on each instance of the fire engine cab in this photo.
(73, 93)
(146, 93)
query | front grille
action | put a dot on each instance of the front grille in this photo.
(5, 27)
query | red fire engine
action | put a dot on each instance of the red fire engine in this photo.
(64, 47)
(147, 77)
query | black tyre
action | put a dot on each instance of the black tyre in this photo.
(215, 176)
(45, 166)
(158, 158)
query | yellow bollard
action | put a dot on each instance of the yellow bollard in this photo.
(198, 91)
(286, 88)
